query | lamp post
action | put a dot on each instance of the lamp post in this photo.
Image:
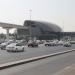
(63, 28)
(30, 23)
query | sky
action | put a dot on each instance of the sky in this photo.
(60, 12)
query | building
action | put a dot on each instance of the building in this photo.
(67, 35)
(40, 30)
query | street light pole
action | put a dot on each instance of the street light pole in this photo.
(30, 13)
(63, 25)
(30, 23)
(63, 28)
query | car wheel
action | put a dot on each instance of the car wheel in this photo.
(45, 45)
(28, 45)
(23, 49)
(16, 50)
(1, 48)
(8, 51)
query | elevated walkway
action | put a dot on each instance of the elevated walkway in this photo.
(9, 26)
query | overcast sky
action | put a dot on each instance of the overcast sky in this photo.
(60, 12)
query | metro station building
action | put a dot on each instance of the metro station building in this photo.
(40, 30)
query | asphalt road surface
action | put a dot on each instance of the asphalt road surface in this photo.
(48, 66)
(30, 52)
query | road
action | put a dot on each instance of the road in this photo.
(30, 52)
(48, 66)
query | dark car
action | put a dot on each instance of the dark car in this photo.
(33, 44)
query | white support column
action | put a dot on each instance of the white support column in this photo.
(7, 35)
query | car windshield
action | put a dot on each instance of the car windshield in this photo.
(18, 45)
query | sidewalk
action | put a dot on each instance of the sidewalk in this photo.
(70, 70)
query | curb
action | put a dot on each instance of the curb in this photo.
(15, 63)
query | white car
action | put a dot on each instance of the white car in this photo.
(3, 45)
(15, 47)
(67, 44)
(72, 42)
(50, 44)
(60, 42)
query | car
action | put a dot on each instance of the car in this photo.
(39, 41)
(72, 42)
(49, 44)
(15, 47)
(67, 44)
(3, 45)
(18, 41)
(33, 44)
(60, 42)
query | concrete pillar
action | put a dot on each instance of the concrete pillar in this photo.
(7, 35)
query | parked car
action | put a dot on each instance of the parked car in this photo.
(50, 44)
(15, 47)
(72, 42)
(60, 42)
(47, 44)
(33, 44)
(3, 45)
(67, 44)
